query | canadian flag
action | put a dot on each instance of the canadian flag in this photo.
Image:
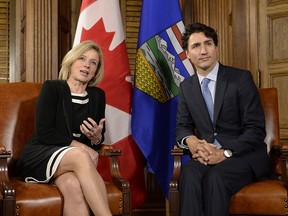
(100, 21)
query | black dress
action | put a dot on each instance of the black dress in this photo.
(58, 117)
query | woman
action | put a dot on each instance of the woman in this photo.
(69, 125)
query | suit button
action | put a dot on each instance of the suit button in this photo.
(215, 134)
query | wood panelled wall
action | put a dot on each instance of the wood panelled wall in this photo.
(131, 11)
(4, 40)
(252, 35)
(39, 26)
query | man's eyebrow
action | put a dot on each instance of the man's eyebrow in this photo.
(209, 40)
(198, 43)
(195, 44)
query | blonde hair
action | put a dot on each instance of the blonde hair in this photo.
(74, 54)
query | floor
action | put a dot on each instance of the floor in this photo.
(154, 206)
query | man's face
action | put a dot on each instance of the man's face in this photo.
(202, 52)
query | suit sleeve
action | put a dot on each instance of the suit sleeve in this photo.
(252, 119)
(185, 125)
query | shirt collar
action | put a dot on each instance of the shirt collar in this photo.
(212, 75)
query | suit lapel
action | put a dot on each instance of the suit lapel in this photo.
(67, 106)
(221, 85)
(92, 101)
(199, 100)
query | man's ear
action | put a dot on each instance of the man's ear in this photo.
(186, 52)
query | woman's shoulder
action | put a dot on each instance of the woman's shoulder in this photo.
(54, 87)
(96, 90)
(55, 82)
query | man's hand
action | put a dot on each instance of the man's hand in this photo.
(216, 157)
(205, 153)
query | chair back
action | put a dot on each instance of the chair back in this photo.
(269, 99)
(18, 101)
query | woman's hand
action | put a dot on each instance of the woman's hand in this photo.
(93, 131)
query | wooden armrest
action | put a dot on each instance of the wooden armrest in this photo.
(284, 162)
(177, 153)
(4, 155)
(284, 149)
(6, 190)
(118, 180)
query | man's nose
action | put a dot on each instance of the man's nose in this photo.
(203, 49)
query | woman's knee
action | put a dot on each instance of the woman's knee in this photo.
(78, 157)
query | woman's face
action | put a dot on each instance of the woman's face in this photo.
(84, 68)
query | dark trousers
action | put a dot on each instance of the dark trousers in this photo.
(205, 190)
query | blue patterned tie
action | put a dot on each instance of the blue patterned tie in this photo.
(207, 97)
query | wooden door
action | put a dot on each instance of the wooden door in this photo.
(273, 53)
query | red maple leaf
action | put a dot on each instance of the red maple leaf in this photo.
(116, 67)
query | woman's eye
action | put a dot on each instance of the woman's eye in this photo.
(94, 63)
(81, 58)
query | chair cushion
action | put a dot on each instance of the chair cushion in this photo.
(37, 199)
(46, 199)
(267, 197)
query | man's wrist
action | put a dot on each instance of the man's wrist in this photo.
(183, 144)
(228, 153)
(186, 139)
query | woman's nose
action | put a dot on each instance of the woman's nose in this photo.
(87, 64)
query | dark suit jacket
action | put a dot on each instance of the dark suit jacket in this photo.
(239, 122)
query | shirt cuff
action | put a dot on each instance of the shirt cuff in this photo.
(182, 144)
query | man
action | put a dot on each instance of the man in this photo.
(229, 150)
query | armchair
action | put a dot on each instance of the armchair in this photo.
(16, 127)
(268, 197)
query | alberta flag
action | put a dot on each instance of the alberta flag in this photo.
(100, 21)
(161, 65)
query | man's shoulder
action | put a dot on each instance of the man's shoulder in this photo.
(232, 69)
(189, 79)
